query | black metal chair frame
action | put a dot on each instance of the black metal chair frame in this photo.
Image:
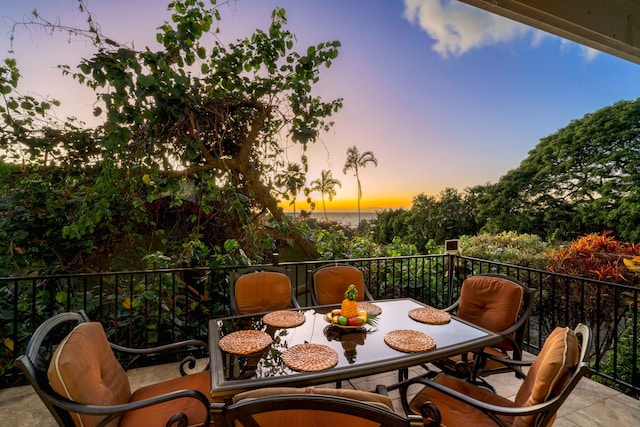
(312, 280)
(34, 366)
(475, 373)
(545, 411)
(234, 276)
(245, 410)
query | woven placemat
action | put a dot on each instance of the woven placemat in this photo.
(369, 307)
(409, 341)
(283, 319)
(310, 357)
(245, 342)
(430, 315)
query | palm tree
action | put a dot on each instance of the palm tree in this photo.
(325, 185)
(356, 160)
(293, 180)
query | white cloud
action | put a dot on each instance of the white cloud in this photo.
(457, 27)
(589, 53)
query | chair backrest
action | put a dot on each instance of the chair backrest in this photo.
(69, 374)
(311, 407)
(260, 288)
(329, 283)
(498, 303)
(84, 369)
(555, 372)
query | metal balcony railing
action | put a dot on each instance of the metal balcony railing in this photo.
(145, 308)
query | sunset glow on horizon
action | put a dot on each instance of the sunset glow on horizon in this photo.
(347, 205)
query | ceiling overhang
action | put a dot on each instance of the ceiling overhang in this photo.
(611, 26)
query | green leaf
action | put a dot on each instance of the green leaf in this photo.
(146, 80)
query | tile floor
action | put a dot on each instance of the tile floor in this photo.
(591, 403)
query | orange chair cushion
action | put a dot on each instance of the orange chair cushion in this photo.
(492, 303)
(455, 413)
(332, 282)
(550, 372)
(85, 370)
(309, 418)
(158, 415)
(262, 291)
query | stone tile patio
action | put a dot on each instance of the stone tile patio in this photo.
(591, 403)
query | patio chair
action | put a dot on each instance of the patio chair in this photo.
(501, 305)
(261, 288)
(329, 283)
(83, 384)
(311, 406)
(555, 372)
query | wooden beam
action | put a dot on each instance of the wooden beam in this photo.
(611, 26)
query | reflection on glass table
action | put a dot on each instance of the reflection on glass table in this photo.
(360, 352)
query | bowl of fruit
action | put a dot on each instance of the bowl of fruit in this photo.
(348, 316)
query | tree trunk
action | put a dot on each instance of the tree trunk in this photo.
(265, 198)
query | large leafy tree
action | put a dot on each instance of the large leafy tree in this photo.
(326, 184)
(431, 219)
(198, 120)
(446, 216)
(355, 161)
(582, 179)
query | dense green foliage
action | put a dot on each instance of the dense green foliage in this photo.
(430, 220)
(582, 179)
(600, 257)
(189, 155)
(620, 364)
(526, 250)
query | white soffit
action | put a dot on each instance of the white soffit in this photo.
(611, 26)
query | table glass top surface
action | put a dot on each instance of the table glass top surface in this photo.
(353, 346)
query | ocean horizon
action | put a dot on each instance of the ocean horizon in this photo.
(350, 218)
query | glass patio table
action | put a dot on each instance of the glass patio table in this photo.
(361, 352)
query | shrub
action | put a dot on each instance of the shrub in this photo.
(526, 250)
(603, 307)
(620, 364)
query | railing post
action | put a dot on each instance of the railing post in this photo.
(451, 263)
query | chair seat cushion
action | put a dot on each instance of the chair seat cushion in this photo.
(84, 369)
(157, 415)
(376, 399)
(301, 417)
(454, 412)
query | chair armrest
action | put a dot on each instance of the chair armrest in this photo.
(429, 413)
(508, 362)
(161, 348)
(452, 307)
(217, 414)
(115, 411)
(488, 408)
(145, 352)
(367, 294)
(294, 300)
